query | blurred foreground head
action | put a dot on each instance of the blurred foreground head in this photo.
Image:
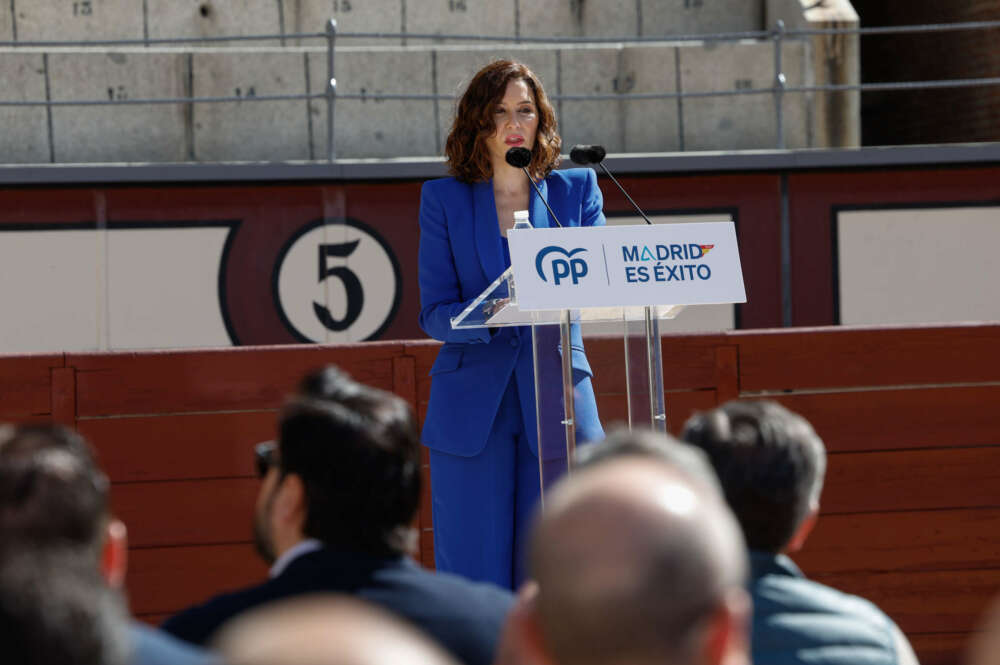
(984, 647)
(52, 494)
(55, 605)
(638, 560)
(325, 630)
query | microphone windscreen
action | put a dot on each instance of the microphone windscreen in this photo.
(519, 157)
(587, 154)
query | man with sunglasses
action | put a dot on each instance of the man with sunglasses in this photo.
(339, 491)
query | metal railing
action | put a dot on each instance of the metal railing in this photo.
(777, 36)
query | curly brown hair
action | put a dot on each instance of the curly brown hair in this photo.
(468, 156)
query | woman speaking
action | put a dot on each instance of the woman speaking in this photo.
(480, 425)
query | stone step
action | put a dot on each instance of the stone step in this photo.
(245, 129)
(90, 20)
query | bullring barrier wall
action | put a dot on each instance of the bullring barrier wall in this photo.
(910, 510)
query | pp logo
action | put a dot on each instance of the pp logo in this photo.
(574, 268)
(354, 294)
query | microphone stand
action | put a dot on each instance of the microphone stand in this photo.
(539, 192)
(615, 180)
(520, 158)
(654, 359)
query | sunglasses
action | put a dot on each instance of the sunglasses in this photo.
(266, 456)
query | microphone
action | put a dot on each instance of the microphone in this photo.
(594, 154)
(587, 154)
(519, 158)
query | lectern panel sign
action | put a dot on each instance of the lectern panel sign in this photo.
(676, 264)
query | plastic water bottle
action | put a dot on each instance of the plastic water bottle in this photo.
(521, 220)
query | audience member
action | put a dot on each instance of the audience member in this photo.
(339, 492)
(637, 561)
(984, 647)
(325, 630)
(63, 558)
(57, 609)
(771, 465)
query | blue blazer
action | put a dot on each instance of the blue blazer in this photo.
(460, 256)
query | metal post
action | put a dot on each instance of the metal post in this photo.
(331, 87)
(656, 364)
(567, 377)
(779, 83)
(628, 375)
(654, 360)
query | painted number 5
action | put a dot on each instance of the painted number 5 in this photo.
(352, 286)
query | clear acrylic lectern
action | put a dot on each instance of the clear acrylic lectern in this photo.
(554, 404)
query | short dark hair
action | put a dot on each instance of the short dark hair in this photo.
(56, 608)
(467, 155)
(357, 451)
(771, 464)
(52, 493)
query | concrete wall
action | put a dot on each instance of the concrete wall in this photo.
(6, 23)
(382, 128)
(140, 19)
(25, 138)
(207, 18)
(747, 121)
(249, 130)
(366, 128)
(834, 60)
(120, 133)
(296, 129)
(77, 20)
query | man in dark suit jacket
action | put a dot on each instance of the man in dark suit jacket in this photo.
(339, 491)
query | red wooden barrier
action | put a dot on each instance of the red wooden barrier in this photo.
(911, 507)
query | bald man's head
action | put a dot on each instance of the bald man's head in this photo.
(325, 630)
(635, 561)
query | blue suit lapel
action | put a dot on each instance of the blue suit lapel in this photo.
(540, 217)
(487, 229)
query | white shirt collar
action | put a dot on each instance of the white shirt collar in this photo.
(294, 552)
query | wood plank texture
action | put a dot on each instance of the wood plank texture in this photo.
(940, 648)
(168, 579)
(688, 361)
(404, 381)
(911, 506)
(913, 418)
(912, 480)
(681, 405)
(244, 378)
(178, 447)
(950, 601)
(64, 395)
(843, 357)
(187, 512)
(727, 373)
(26, 385)
(901, 541)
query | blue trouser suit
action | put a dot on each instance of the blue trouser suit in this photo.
(480, 424)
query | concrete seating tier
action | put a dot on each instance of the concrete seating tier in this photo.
(296, 129)
(75, 20)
